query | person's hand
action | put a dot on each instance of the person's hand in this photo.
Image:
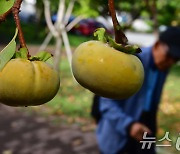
(137, 130)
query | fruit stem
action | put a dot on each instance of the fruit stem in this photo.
(16, 10)
(120, 37)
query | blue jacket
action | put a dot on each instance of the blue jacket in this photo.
(117, 115)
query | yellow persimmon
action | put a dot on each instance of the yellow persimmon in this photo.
(27, 83)
(107, 71)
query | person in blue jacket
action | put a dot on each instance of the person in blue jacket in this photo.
(122, 123)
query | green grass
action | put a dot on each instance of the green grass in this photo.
(170, 105)
(168, 115)
(72, 99)
(173, 83)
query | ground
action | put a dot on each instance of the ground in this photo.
(24, 133)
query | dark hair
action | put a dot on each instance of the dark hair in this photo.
(171, 37)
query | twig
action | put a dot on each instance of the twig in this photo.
(119, 35)
(48, 18)
(67, 46)
(16, 10)
(60, 22)
(57, 53)
(3, 17)
(53, 29)
(69, 11)
(60, 14)
(73, 23)
(46, 42)
(68, 28)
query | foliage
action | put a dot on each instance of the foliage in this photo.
(82, 7)
(5, 5)
(168, 11)
(85, 8)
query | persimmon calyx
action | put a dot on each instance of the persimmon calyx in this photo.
(40, 56)
(101, 35)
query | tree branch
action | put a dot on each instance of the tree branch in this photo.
(48, 18)
(16, 10)
(73, 23)
(69, 11)
(60, 13)
(57, 53)
(46, 42)
(120, 37)
(67, 46)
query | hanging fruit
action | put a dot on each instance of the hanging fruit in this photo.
(25, 80)
(108, 67)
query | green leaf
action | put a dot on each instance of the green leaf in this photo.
(7, 53)
(5, 5)
(100, 35)
(41, 56)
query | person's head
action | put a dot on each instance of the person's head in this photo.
(166, 51)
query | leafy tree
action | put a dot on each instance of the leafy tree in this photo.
(168, 11)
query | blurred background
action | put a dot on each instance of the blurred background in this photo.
(67, 116)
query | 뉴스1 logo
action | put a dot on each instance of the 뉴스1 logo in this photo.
(148, 141)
